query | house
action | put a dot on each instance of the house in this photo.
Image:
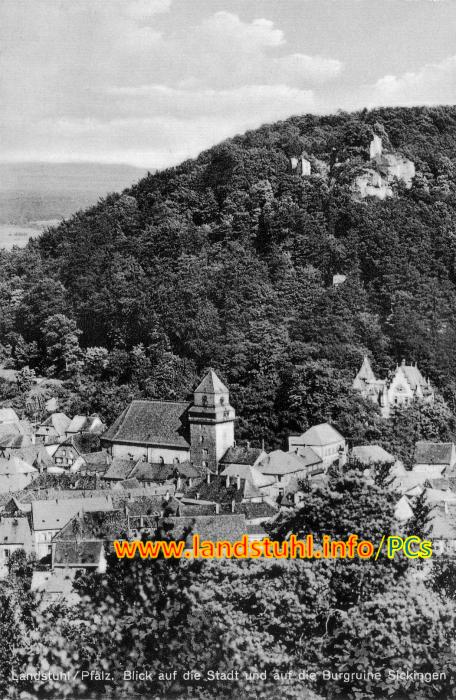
(242, 455)
(405, 386)
(443, 530)
(15, 534)
(53, 429)
(323, 439)
(169, 432)
(93, 463)
(261, 482)
(49, 517)
(15, 474)
(434, 458)
(55, 586)
(284, 466)
(79, 554)
(67, 452)
(85, 424)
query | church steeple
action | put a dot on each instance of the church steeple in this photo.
(211, 421)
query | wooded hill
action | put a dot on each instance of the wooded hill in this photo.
(227, 260)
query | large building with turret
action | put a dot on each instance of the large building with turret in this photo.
(406, 385)
(172, 432)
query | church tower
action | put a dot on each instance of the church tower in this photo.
(211, 421)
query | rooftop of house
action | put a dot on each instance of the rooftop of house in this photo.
(8, 415)
(253, 510)
(320, 435)
(413, 375)
(85, 424)
(433, 452)
(217, 490)
(119, 469)
(96, 461)
(369, 454)
(59, 422)
(53, 515)
(242, 455)
(230, 527)
(160, 423)
(11, 465)
(249, 473)
(280, 462)
(77, 553)
(443, 523)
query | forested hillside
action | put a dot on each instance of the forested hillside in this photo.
(227, 260)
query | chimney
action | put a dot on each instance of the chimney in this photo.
(233, 505)
(217, 508)
(238, 483)
(227, 482)
(262, 444)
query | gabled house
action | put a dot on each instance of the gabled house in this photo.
(85, 424)
(55, 586)
(241, 456)
(49, 517)
(284, 466)
(53, 429)
(323, 439)
(15, 474)
(15, 534)
(79, 554)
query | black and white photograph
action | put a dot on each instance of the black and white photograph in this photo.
(227, 349)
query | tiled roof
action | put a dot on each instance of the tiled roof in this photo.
(218, 491)
(253, 510)
(58, 421)
(77, 553)
(119, 469)
(280, 462)
(229, 527)
(241, 455)
(433, 452)
(320, 435)
(160, 423)
(443, 523)
(252, 474)
(15, 465)
(85, 424)
(211, 384)
(53, 515)
(96, 461)
(368, 454)
(14, 531)
(413, 375)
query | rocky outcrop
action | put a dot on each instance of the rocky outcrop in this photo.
(376, 180)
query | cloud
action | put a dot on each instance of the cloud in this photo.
(111, 79)
(434, 83)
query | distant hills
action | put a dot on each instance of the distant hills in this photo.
(42, 192)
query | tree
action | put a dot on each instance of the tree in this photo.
(61, 341)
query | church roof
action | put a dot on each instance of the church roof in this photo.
(211, 384)
(161, 423)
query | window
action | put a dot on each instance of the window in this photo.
(7, 554)
(202, 438)
(204, 400)
(161, 460)
(58, 460)
(222, 400)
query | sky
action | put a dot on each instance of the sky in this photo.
(152, 82)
